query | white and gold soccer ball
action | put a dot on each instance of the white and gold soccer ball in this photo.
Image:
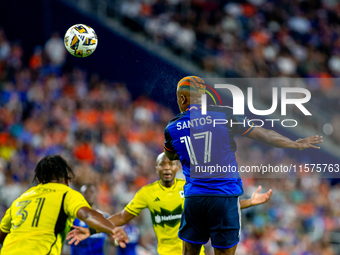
(80, 40)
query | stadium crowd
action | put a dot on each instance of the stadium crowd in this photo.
(112, 141)
(255, 39)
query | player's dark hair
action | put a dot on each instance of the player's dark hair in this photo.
(52, 167)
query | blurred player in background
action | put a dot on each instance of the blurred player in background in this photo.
(94, 245)
(38, 221)
(212, 208)
(165, 200)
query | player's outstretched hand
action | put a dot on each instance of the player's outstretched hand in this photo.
(309, 142)
(77, 234)
(257, 198)
(120, 236)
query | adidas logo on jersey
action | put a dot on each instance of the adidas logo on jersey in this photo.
(157, 199)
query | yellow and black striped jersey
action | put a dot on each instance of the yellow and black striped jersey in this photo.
(166, 207)
(38, 221)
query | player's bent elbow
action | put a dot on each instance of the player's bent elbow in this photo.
(84, 213)
(171, 155)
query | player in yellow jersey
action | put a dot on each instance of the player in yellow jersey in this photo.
(38, 221)
(165, 200)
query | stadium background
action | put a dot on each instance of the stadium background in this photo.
(106, 113)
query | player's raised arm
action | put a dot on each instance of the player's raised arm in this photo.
(256, 198)
(131, 210)
(79, 233)
(97, 221)
(121, 218)
(274, 139)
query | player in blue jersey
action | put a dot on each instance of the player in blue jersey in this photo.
(94, 245)
(212, 208)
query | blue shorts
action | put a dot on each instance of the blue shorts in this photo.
(218, 218)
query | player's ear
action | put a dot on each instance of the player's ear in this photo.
(183, 99)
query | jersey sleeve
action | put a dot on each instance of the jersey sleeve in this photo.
(137, 204)
(241, 125)
(5, 225)
(76, 222)
(73, 202)
(168, 140)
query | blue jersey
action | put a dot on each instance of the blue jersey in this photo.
(94, 245)
(132, 232)
(205, 145)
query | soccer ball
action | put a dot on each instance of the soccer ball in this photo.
(80, 40)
